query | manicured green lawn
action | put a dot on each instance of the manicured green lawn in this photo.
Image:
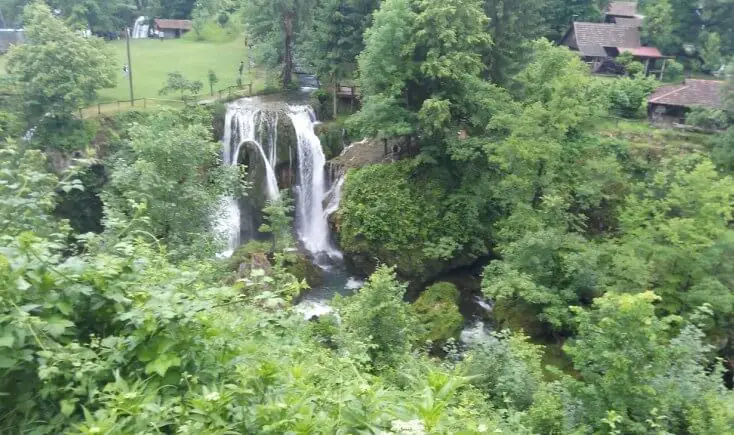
(153, 59)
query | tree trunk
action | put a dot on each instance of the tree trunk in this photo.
(288, 61)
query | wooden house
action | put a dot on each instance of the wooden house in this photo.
(171, 28)
(670, 104)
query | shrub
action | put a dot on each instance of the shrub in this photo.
(712, 119)
(634, 68)
(438, 313)
(626, 95)
(673, 71)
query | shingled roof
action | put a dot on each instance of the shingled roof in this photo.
(173, 24)
(622, 9)
(691, 93)
(591, 38)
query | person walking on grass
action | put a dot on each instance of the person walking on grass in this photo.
(242, 67)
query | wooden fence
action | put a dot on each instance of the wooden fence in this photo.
(146, 103)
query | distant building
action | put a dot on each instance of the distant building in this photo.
(172, 28)
(10, 37)
(624, 13)
(599, 43)
(671, 103)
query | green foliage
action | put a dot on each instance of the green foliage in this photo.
(638, 375)
(635, 68)
(711, 119)
(213, 80)
(336, 38)
(711, 51)
(512, 25)
(58, 71)
(399, 216)
(277, 217)
(723, 152)
(675, 234)
(438, 313)
(548, 270)
(377, 320)
(172, 167)
(417, 53)
(274, 26)
(673, 70)
(657, 28)
(176, 82)
(506, 367)
(627, 95)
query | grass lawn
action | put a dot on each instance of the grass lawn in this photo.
(153, 59)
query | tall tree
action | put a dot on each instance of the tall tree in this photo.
(418, 57)
(59, 71)
(274, 26)
(512, 25)
(657, 28)
(337, 37)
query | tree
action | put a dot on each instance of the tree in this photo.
(274, 25)
(674, 237)
(378, 318)
(561, 13)
(657, 28)
(277, 217)
(336, 38)
(512, 25)
(638, 375)
(59, 71)
(710, 51)
(176, 82)
(213, 80)
(170, 175)
(417, 57)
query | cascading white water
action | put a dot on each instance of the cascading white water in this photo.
(334, 196)
(140, 28)
(241, 127)
(250, 121)
(311, 218)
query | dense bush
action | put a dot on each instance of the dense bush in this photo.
(438, 313)
(710, 119)
(626, 95)
(673, 70)
(399, 215)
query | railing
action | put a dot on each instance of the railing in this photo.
(145, 103)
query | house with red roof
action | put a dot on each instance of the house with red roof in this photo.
(600, 43)
(671, 103)
(171, 28)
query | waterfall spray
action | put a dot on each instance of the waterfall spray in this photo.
(311, 218)
(254, 124)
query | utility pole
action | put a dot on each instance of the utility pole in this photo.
(129, 66)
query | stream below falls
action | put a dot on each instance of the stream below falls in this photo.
(274, 138)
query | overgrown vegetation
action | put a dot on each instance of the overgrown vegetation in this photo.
(606, 239)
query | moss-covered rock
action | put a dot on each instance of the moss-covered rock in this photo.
(438, 311)
(300, 266)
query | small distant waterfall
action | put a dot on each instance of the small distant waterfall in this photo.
(311, 218)
(140, 28)
(254, 124)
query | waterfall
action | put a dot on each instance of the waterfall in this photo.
(334, 196)
(140, 28)
(241, 127)
(311, 218)
(254, 124)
